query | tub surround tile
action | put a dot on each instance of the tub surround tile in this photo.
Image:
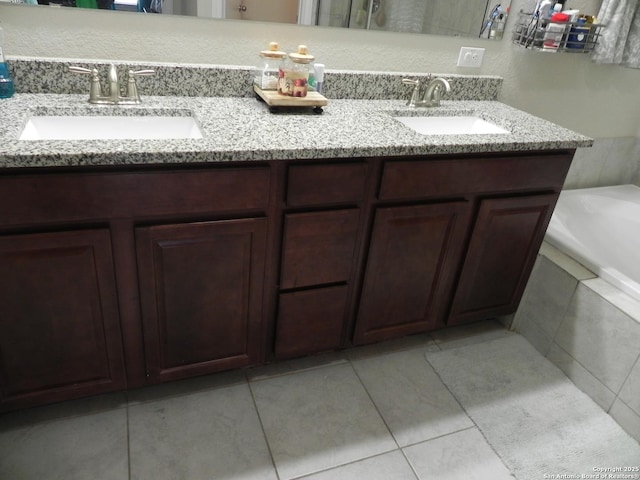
(311, 428)
(544, 303)
(414, 403)
(630, 393)
(596, 345)
(590, 326)
(77, 448)
(581, 377)
(616, 297)
(535, 336)
(565, 262)
(212, 434)
(626, 418)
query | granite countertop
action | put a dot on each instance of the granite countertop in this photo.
(243, 129)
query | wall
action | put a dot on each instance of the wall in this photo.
(596, 100)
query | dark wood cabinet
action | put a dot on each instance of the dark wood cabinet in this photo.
(201, 296)
(501, 253)
(59, 326)
(319, 250)
(117, 278)
(410, 269)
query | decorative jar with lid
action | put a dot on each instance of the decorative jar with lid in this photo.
(268, 69)
(293, 78)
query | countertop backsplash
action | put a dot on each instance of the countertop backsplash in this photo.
(42, 75)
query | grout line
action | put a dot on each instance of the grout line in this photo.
(635, 365)
(264, 433)
(374, 405)
(440, 436)
(470, 418)
(351, 463)
(338, 361)
(128, 440)
(553, 342)
(409, 463)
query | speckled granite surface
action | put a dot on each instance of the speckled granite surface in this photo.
(237, 129)
(52, 76)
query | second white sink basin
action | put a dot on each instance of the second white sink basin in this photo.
(109, 127)
(466, 125)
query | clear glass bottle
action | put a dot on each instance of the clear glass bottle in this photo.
(268, 69)
(6, 82)
(293, 78)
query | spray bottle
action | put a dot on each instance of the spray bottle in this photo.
(6, 82)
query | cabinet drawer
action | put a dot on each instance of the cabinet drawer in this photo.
(326, 184)
(441, 177)
(310, 321)
(318, 248)
(84, 196)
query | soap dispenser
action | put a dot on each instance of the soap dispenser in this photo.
(6, 82)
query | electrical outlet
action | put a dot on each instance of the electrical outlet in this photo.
(470, 57)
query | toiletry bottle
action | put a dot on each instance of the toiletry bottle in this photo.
(555, 31)
(269, 66)
(293, 77)
(497, 27)
(6, 82)
(319, 76)
(578, 35)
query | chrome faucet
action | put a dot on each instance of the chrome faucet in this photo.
(432, 92)
(112, 95)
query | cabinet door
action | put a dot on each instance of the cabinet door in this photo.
(201, 295)
(59, 326)
(502, 250)
(310, 321)
(414, 254)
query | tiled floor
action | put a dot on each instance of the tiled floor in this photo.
(378, 412)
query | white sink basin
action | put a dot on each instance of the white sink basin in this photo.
(109, 128)
(450, 125)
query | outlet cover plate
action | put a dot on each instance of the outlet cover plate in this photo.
(470, 57)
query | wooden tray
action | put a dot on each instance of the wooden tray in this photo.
(274, 100)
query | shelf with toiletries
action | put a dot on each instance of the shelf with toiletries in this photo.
(561, 32)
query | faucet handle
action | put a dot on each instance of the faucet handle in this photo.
(140, 73)
(95, 90)
(415, 93)
(132, 87)
(408, 81)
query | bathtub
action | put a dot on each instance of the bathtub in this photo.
(600, 228)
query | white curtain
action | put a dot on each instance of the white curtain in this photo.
(619, 41)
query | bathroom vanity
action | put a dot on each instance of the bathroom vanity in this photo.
(127, 263)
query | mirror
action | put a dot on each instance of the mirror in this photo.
(462, 18)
